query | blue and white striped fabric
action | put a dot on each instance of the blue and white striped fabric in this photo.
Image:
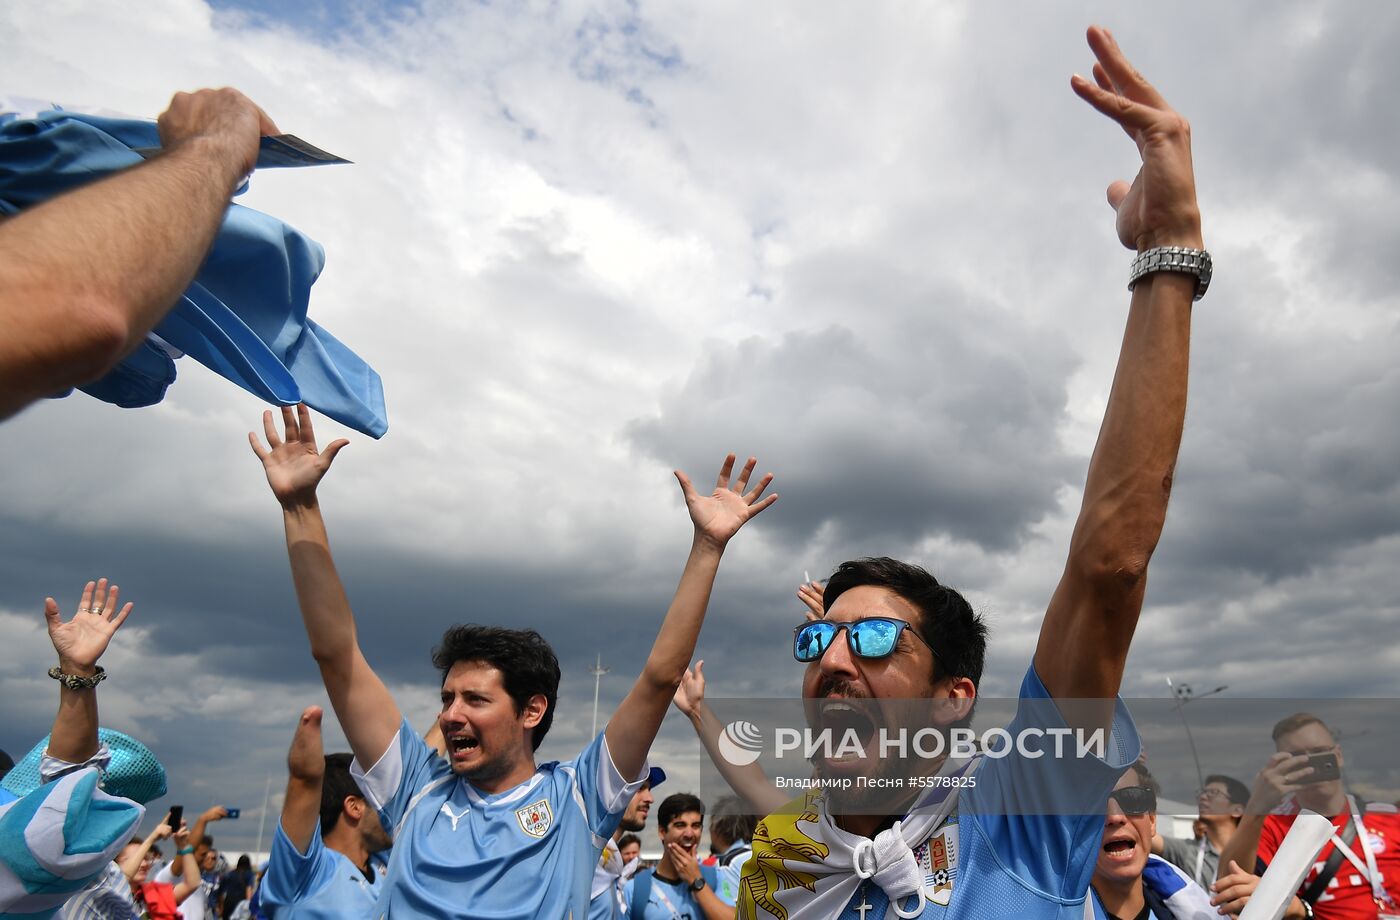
(58, 840)
(1184, 898)
(244, 316)
(109, 899)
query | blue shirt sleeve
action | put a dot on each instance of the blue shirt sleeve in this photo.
(401, 773)
(1043, 815)
(605, 791)
(291, 875)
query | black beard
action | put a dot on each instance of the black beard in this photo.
(632, 824)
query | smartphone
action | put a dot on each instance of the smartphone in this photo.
(1325, 768)
(232, 812)
(177, 814)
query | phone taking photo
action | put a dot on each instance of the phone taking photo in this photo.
(232, 812)
(177, 814)
(1324, 768)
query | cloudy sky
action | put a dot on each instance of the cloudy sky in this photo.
(585, 242)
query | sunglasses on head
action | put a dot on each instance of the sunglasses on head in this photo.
(872, 637)
(1135, 800)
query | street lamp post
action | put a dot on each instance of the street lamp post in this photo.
(597, 670)
(1184, 694)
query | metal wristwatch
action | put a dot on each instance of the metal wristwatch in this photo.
(698, 885)
(1173, 259)
(77, 681)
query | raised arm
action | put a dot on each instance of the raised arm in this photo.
(749, 781)
(1278, 779)
(85, 276)
(1090, 621)
(717, 517)
(201, 824)
(131, 863)
(294, 468)
(306, 768)
(189, 869)
(80, 643)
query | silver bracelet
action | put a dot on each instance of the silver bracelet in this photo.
(77, 681)
(1173, 259)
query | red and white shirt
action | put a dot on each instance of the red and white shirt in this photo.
(1348, 895)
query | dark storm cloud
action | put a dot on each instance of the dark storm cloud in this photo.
(234, 605)
(924, 411)
(1289, 459)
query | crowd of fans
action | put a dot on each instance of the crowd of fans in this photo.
(464, 822)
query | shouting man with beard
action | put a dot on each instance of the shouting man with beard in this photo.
(1013, 834)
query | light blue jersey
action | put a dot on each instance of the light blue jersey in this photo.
(1014, 864)
(1003, 855)
(730, 868)
(321, 883)
(665, 902)
(526, 853)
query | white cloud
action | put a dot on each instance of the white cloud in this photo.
(565, 220)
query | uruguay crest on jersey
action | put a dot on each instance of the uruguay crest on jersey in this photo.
(938, 858)
(535, 818)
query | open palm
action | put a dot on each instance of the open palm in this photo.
(293, 465)
(81, 641)
(718, 516)
(1159, 207)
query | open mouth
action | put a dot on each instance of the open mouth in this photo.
(850, 729)
(1120, 850)
(461, 745)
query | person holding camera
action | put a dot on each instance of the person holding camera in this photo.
(1357, 873)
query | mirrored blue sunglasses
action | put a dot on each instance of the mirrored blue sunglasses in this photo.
(872, 637)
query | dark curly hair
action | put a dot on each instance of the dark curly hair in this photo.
(947, 622)
(527, 664)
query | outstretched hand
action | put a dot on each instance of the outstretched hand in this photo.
(306, 759)
(81, 641)
(691, 692)
(1159, 207)
(293, 465)
(718, 516)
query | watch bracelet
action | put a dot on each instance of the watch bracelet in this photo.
(78, 681)
(1182, 259)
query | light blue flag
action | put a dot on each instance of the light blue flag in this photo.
(245, 314)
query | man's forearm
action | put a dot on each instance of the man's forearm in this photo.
(750, 782)
(680, 630)
(712, 906)
(301, 811)
(1243, 846)
(190, 880)
(1130, 473)
(325, 608)
(86, 275)
(132, 863)
(197, 832)
(74, 735)
(1089, 625)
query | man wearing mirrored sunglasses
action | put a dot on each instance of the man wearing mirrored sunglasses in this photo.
(982, 852)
